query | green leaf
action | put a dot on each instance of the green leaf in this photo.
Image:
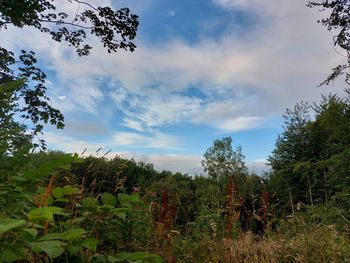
(140, 257)
(44, 214)
(52, 248)
(31, 231)
(105, 208)
(27, 234)
(74, 247)
(69, 190)
(11, 253)
(73, 234)
(90, 202)
(63, 200)
(121, 212)
(51, 236)
(7, 224)
(127, 200)
(108, 199)
(90, 244)
(8, 255)
(47, 167)
(50, 200)
(57, 192)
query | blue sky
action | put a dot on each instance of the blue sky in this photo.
(203, 70)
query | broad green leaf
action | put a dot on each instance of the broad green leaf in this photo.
(8, 255)
(44, 214)
(100, 259)
(7, 224)
(27, 234)
(52, 248)
(31, 231)
(63, 200)
(127, 200)
(11, 253)
(90, 202)
(90, 244)
(57, 192)
(105, 208)
(113, 259)
(69, 190)
(47, 167)
(108, 199)
(121, 212)
(140, 257)
(51, 236)
(73, 234)
(74, 247)
(145, 257)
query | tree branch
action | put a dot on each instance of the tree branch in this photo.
(64, 23)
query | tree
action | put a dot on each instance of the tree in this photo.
(339, 19)
(289, 157)
(115, 29)
(221, 160)
(310, 162)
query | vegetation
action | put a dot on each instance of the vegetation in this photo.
(63, 208)
(58, 207)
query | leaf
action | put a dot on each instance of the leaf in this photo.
(31, 231)
(90, 244)
(62, 200)
(8, 255)
(7, 224)
(47, 167)
(127, 200)
(69, 190)
(44, 214)
(27, 234)
(145, 257)
(50, 200)
(74, 247)
(108, 199)
(105, 208)
(52, 248)
(90, 202)
(139, 257)
(121, 212)
(73, 234)
(57, 192)
(51, 236)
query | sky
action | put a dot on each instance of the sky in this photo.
(202, 70)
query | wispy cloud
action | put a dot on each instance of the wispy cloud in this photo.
(156, 140)
(230, 83)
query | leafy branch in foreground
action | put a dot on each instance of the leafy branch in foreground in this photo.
(338, 20)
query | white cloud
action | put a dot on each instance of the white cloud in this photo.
(133, 124)
(243, 79)
(258, 166)
(190, 164)
(155, 140)
(281, 64)
(240, 123)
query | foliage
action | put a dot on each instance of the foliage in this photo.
(61, 223)
(311, 156)
(22, 83)
(116, 29)
(338, 19)
(221, 161)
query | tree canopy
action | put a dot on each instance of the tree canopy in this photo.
(339, 21)
(27, 99)
(311, 157)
